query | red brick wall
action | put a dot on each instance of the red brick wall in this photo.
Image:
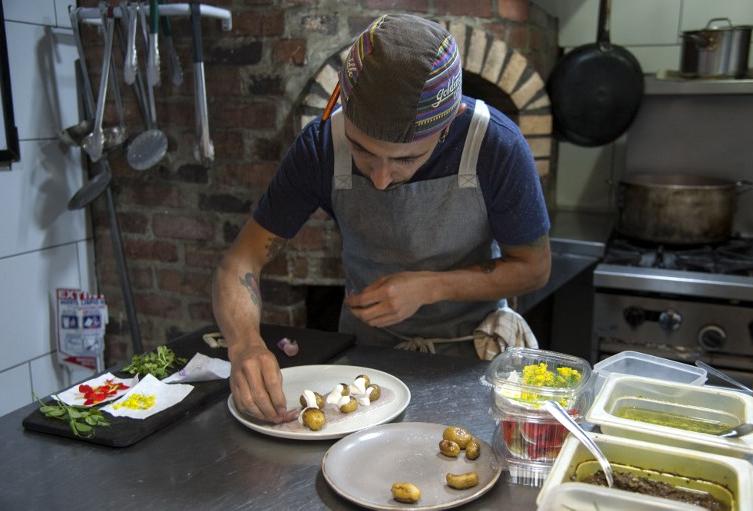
(178, 219)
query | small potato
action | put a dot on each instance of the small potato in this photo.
(374, 392)
(406, 492)
(350, 406)
(319, 400)
(449, 448)
(314, 419)
(472, 449)
(462, 481)
(457, 435)
(366, 379)
(346, 389)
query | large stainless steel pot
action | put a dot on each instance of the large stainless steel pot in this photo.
(716, 51)
(677, 208)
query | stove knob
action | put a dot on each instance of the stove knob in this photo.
(634, 316)
(670, 320)
(711, 337)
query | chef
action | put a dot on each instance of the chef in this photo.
(436, 197)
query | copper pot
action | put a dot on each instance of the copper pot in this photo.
(677, 209)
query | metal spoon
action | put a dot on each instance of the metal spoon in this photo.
(115, 136)
(149, 147)
(564, 418)
(94, 142)
(723, 376)
(737, 431)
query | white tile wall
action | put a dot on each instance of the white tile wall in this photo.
(16, 385)
(645, 22)
(61, 10)
(42, 245)
(654, 58)
(41, 12)
(34, 195)
(43, 79)
(696, 13)
(584, 177)
(26, 303)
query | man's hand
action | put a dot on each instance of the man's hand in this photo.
(256, 384)
(391, 299)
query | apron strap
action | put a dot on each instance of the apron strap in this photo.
(469, 160)
(342, 178)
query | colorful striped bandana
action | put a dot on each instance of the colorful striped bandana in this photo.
(402, 79)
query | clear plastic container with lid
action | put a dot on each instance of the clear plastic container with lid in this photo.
(528, 438)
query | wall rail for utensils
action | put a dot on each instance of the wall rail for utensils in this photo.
(93, 16)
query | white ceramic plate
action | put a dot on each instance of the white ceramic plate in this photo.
(322, 379)
(404, 452)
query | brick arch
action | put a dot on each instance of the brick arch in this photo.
(482, 53)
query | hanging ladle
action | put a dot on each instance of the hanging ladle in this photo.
(101, 179)
(149, 147)
(94, 142)
(564, 418)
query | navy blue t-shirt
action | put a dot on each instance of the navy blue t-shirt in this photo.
(506, 172)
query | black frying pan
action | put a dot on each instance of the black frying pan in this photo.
(595, 89)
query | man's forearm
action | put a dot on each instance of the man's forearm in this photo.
(493, 279)
(236, 301)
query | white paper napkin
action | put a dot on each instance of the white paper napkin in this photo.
(165, 396)
(72, 397)
(201, 368)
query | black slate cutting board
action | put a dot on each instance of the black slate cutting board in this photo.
(316, 347)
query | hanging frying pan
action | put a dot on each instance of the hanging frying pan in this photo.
(595, 89)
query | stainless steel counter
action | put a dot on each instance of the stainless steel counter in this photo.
(210, 461)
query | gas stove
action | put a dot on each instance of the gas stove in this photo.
(683, 303)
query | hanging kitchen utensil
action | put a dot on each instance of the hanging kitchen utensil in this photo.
(93, 143)
(130, 63)
(152, 66)
(595, 89)
(115, 136)
(104, 170)
(101, 175)
(149, 147)
(74, 135)
(175, 70)
(127, 16)
(204, 149)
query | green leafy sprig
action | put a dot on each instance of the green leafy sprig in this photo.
(155, 363)
(81, 420)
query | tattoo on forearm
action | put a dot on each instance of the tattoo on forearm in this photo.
(252, 285)
(274, 247)
(488, 266)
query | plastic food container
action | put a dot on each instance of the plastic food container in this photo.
(527, 437)
(734, 476)
(641, 364)
(658, 404)
(589, 497)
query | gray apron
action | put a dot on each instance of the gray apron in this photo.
(432, 225)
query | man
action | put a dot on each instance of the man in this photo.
(425, 185)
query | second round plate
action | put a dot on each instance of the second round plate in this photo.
(404, 452)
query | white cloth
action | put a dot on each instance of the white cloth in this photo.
(201, 368)
(166, 395)
(502, 329)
